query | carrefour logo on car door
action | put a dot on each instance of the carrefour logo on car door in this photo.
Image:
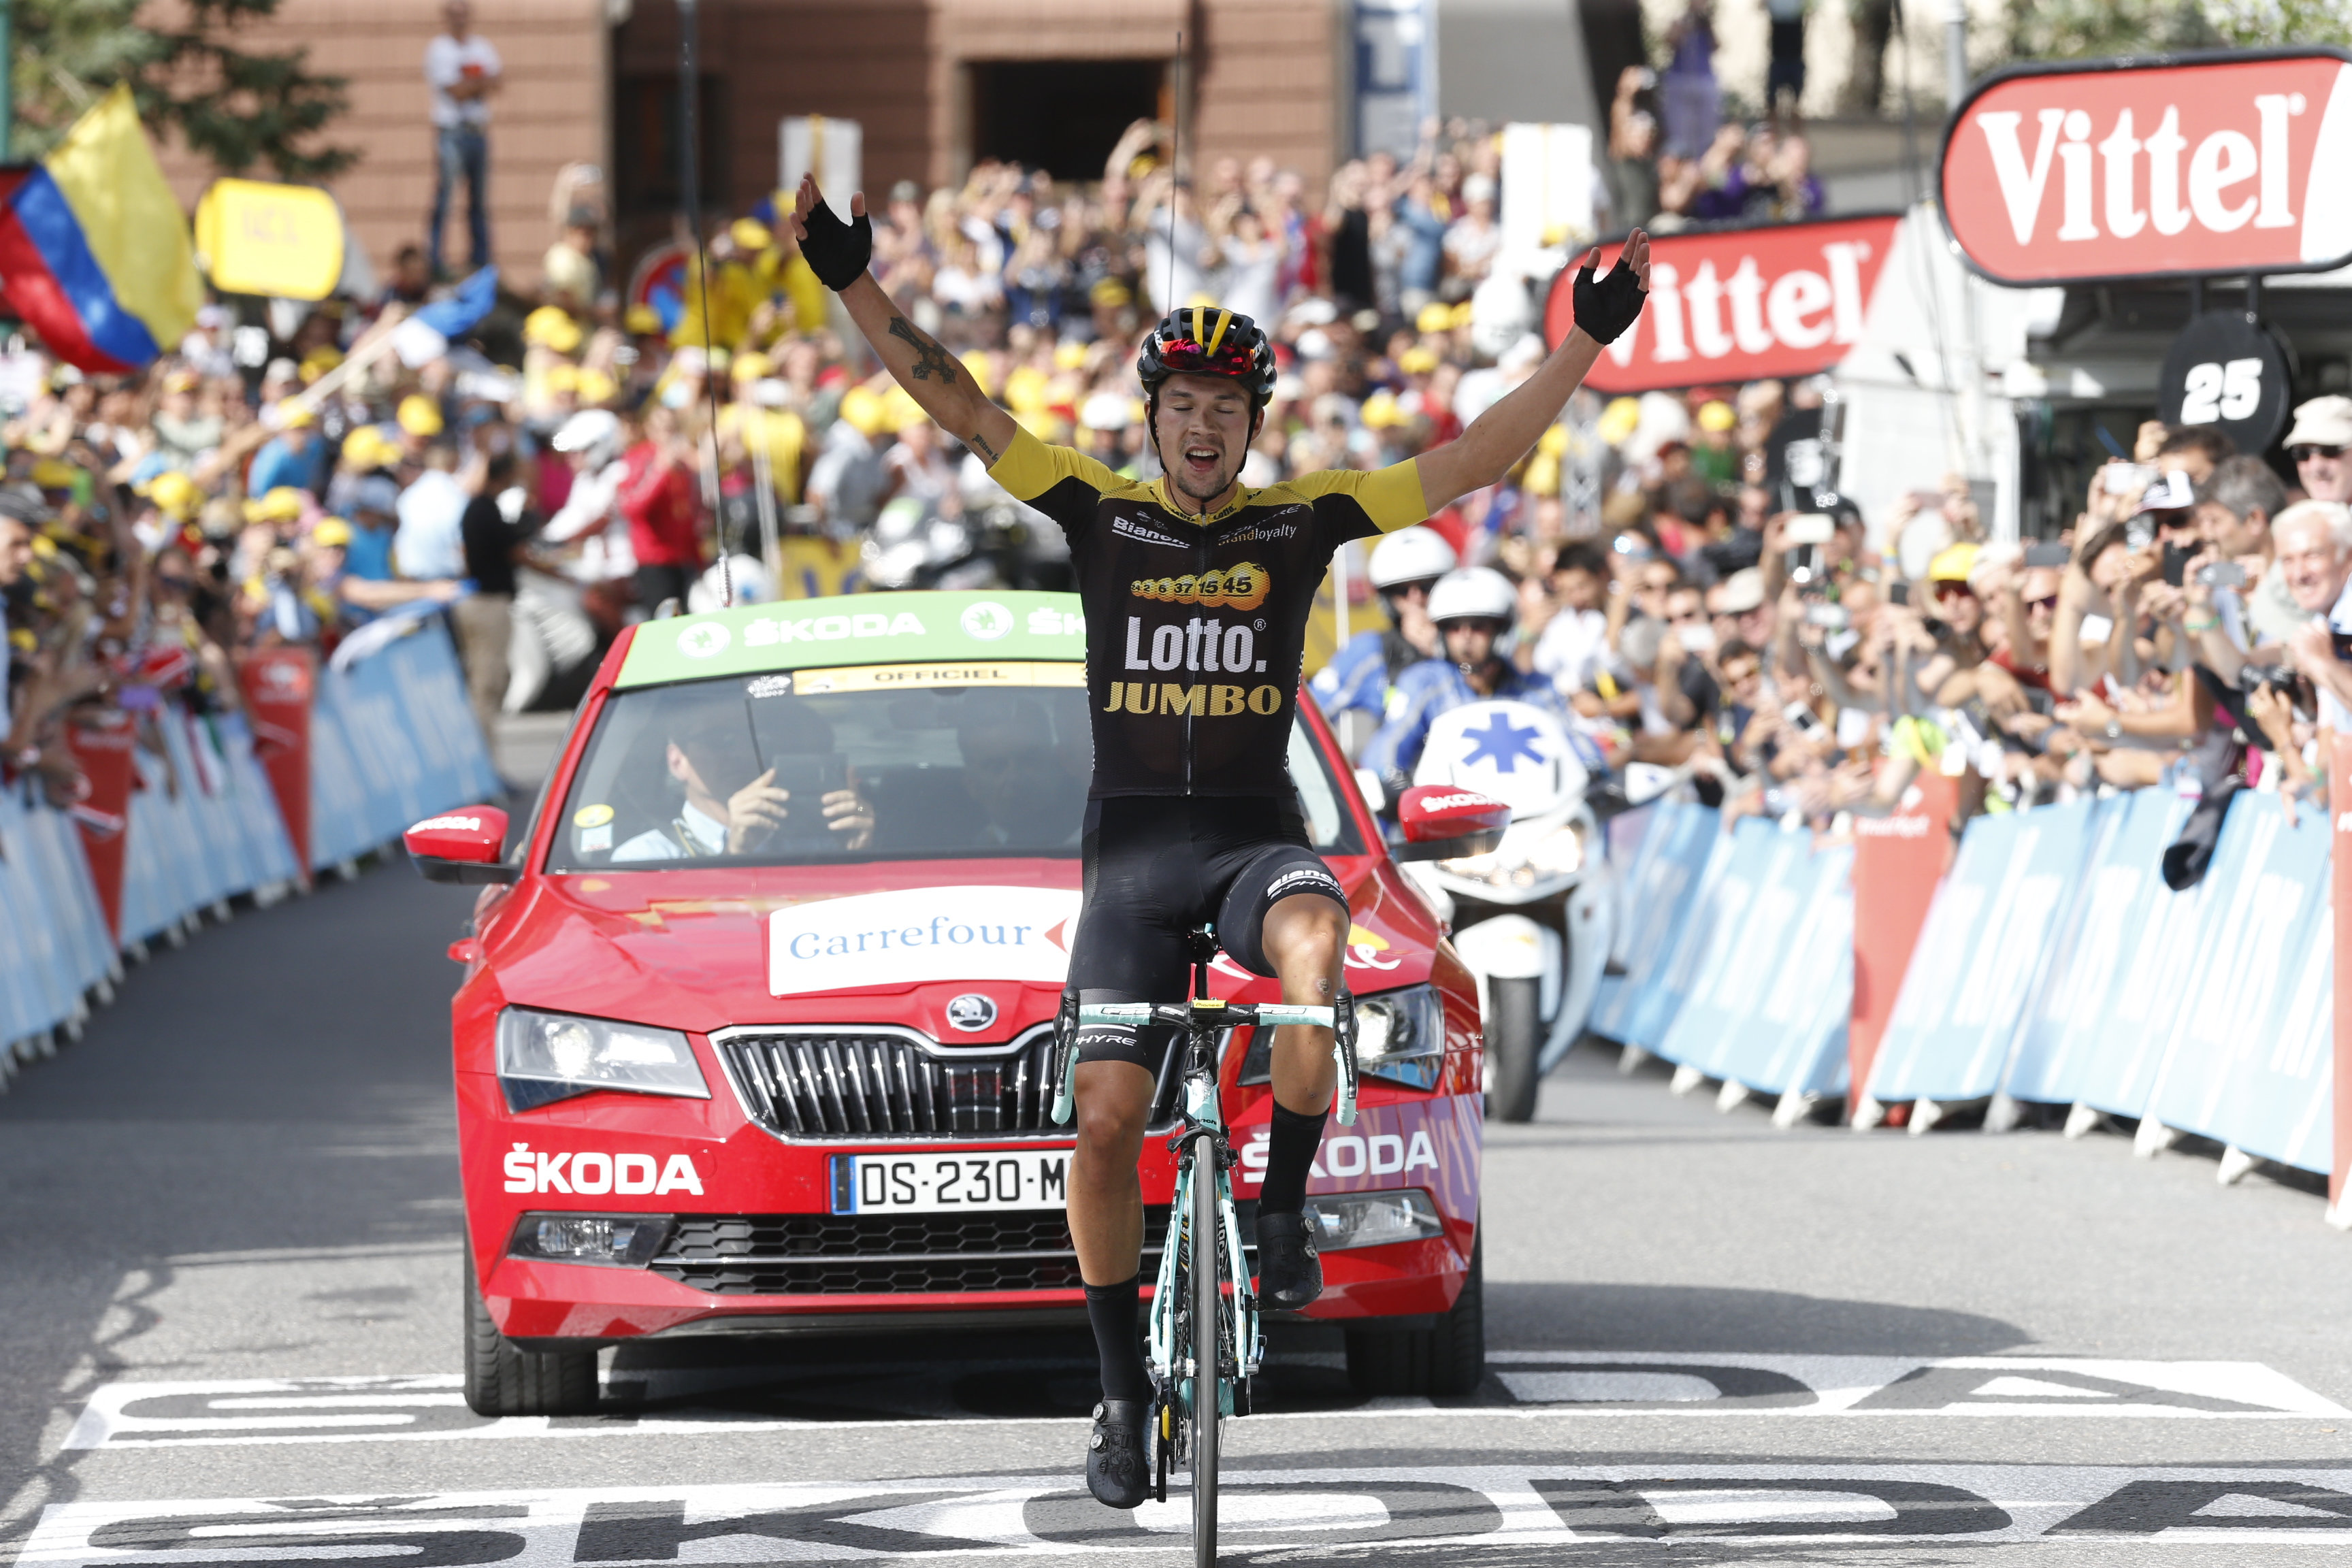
(921, 933)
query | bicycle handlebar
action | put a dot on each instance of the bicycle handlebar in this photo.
(1184, 1014)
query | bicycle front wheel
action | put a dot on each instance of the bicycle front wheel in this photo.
(1208, 1339)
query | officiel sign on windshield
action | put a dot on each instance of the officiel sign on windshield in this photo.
(2203, 164)
(1739, 304)
(856, 629)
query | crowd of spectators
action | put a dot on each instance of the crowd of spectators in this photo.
(564, 465)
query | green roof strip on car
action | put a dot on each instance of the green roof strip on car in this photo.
(859, 628)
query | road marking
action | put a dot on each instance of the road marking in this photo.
(1471, 1508)
(432, 1408)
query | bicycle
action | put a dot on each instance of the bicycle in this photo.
(1184, 1298)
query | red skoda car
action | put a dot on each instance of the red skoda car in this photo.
(756, 1027)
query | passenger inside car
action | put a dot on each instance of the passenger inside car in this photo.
(740, 762)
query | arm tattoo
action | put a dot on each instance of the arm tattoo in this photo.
(979, 444)
(929, 358)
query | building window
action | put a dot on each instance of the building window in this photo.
(1061, 116)
(645, 125)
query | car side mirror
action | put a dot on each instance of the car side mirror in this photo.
(1443, 823)
(463, 846)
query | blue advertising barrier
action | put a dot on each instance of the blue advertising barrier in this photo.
(1979, 954)
(1661, 885)
(1794, 1040)
(2247, 1057)
(394, 741)
(1743, 926)
(2056, 1057)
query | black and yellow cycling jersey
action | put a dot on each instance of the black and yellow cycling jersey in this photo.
(1195, 626)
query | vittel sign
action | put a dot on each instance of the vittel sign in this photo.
(1739, 304)
(2217, 164)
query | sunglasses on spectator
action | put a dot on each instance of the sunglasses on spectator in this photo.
(2047, 601)
(1486, 624)
(1955, 590)
(2305, 453)
(1421, 585)
(1679, 617)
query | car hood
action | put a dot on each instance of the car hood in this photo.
(697, 949)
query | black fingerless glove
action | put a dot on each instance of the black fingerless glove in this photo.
(837, 252)
(1606, 306)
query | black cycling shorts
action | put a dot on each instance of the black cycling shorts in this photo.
(1159, 866)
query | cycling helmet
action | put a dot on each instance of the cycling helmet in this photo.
(1415, 554)
(1471, 591)
(1206, 340)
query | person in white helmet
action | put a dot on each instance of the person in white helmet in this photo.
(1357, 687)
(1475, 609)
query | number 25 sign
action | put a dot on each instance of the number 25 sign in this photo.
(2227, 372)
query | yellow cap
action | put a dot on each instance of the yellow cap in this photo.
(420, 415)
(174, 494)
(1434, 318)
(294, 415)
(1070, 355)
(1717, 416)
(1417, 361)
(330, 533)
(900, 410)
(596, 387)
(1553, 441)
(1380, 410)
(319, 361)
(54, 474)
(1618, 420)
(642, 319)
(1953, 564)
(750, 234)
(1110, 292)
(548, 327)
(1024, 389)
(281, 503)
(364, 448)
(750, 365)
(862, 409)
(983, 374)
(1462, 314)
(563, 376)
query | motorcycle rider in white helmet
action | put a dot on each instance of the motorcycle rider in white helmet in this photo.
(1357, 687)
(1476, 610)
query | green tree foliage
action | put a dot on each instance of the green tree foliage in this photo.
(239, 109)
(2092, 29)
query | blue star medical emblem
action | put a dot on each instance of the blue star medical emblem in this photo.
(1502, 743)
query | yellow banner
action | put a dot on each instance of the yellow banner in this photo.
(281, 241)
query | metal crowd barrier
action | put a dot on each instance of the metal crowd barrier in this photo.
(2055, 967)
(392, 741)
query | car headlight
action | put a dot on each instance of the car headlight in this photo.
(1399, 1036)
(547, 1056)
(1342, 1220)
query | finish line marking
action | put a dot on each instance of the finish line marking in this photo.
(432, 1408)
(1469, 1507)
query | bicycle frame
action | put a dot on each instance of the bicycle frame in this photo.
(1178, 1361)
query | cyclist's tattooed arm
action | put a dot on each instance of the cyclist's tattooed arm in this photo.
(931, 376)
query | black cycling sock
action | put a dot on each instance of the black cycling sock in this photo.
(1111, 1310)
(1290, 1149)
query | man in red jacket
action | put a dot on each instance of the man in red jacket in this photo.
(658, 498)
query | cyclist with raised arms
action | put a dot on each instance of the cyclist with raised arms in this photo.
(1196, 591)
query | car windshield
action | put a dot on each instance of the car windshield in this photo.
(895, 762)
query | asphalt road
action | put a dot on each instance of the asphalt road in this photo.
(1712, 1341)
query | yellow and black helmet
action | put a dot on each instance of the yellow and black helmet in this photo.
(1204, 340)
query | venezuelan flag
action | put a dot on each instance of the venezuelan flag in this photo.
(94, 249)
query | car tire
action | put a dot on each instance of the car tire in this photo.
(1447, 1359)
(501, 1380)
(1512, 1038)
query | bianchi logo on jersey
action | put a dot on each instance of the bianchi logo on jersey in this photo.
(1137, 529)
(1241, 587)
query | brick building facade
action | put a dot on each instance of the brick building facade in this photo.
(933, 83)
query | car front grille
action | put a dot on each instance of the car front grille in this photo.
(839, 1255)
(872, 1084)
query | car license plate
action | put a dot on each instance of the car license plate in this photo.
(949, 1184)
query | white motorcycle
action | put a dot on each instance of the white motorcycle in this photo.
(1533, 918)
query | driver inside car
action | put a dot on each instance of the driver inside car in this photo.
(733, 805)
